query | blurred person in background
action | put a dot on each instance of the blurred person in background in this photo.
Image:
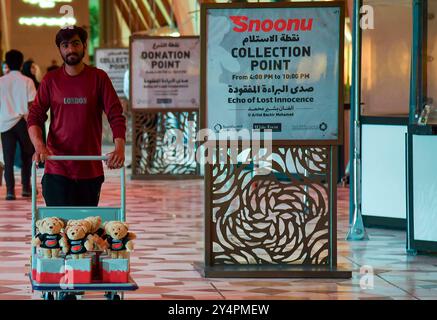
(5, 68)
(53, 66)
(31, 70)
(17, 92)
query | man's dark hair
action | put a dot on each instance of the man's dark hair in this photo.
(14, 60)
(67, 33)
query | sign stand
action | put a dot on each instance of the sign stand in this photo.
(151, 156)
(164, 105)
(277, 219)
(115, 62)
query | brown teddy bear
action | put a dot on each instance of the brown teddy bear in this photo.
(50, 237)
(98, 232)
(93, 225)
(78, 239)
(119, 239)
(85, 223)
(95, 222)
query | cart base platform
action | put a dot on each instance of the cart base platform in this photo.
(94, 286)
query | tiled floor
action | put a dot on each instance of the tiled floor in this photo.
(167, 216)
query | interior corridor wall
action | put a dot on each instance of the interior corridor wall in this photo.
(38, 43)
(5, 27)
(386, 59)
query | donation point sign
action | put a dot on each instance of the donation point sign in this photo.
(274, 67)
(165, 72)
(115, 62)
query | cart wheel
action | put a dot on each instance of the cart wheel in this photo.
(67, 296)
(112, 296)
(48, 296)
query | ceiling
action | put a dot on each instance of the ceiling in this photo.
(144, 15)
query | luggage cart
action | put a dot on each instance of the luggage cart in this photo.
(66, 291)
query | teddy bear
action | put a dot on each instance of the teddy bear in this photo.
(119, 239)
(98, 232)
(79, 239)
(50, 238)
(87, 224)
(93, 225)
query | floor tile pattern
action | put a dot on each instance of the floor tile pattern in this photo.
(168, 218)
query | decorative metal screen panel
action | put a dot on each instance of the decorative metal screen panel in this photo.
(278, 218)
(156, 152)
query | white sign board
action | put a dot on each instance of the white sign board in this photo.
(274, 69)
(165, 73)
(115, 62)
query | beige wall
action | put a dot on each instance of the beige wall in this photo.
(185, 13)
(5, 26)
(38, 43)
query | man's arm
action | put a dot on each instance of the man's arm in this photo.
(41, 151)
(36, 119)
(116, 158)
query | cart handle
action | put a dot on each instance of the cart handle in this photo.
(78, 158)
(81, 158)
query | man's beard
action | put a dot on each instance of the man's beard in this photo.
(73, 59)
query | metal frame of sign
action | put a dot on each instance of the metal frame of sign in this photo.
(147, 113)
(203, 71)
(110, 48)
(418, 94)
(138, 37)
(214, 265)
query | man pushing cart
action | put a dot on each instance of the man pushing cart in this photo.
(76, 95)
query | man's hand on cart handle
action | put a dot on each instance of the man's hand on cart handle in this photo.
(116, 158)
(41, 153)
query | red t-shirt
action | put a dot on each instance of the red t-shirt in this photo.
(76, 106)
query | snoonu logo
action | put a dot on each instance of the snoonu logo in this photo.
(243, 24)
(75, 100)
